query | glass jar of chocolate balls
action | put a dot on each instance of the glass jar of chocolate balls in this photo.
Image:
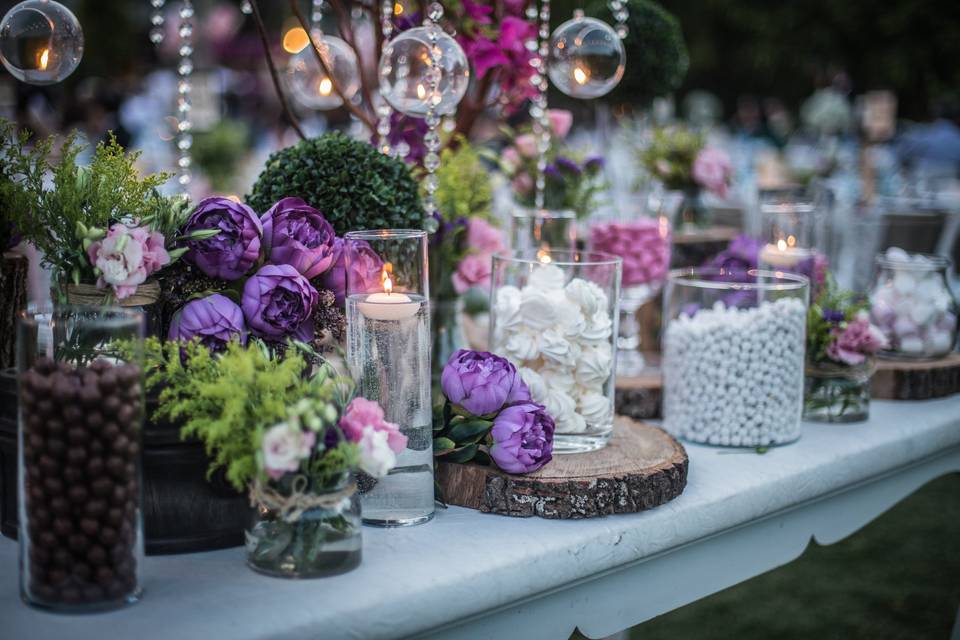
(81, 418)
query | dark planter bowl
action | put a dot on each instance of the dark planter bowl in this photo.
(182, 510)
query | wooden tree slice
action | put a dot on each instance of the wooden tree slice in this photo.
(913, 380)
(640, 468)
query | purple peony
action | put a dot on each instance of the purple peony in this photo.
(482, 383)
(522, 438)
(278, 303)
(741, 255)
(366, 269)
(296, 234)
(229, 254)
(214, 320)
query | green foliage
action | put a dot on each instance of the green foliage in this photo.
(463, 192)
(350, 182)
(460, 438)
(21, 174)
(657, 58)
(82, 198)
(670, 155)
(219, 151)
(831, 300)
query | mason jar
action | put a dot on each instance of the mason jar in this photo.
(81, 418)
(554, 315)
(733, 356)
(911, 302)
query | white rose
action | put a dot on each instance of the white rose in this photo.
(506, 306)
(546, 277)
(599, 328)
(595, 365)
(555, 349)
(534, 382)
(595, 408)
(587, 295)
(376, 456)
(537, 309)
(284, 447)
(522, 345)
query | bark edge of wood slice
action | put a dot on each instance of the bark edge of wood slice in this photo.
(916, 379)
(640, 468)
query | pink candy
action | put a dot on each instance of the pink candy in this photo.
(644, 245)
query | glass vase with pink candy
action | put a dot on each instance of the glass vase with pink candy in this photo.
(644, 245)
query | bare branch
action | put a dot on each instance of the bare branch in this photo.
(292, 119)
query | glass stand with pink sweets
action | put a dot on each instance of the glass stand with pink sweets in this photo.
(644, 245)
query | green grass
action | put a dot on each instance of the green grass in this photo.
(897, 578)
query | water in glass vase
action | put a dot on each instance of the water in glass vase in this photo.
(388, 351)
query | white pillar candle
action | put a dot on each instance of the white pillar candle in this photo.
(781, 256)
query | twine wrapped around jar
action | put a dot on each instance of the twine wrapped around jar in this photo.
(859, 373)
(290, 507)
(89, 294)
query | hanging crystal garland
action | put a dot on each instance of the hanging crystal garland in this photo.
(587, 57)
(245, 8)
(431, 162)
(184, 70)
(538, 45)
(156, 20)
(384, 111)
(621, 13)
(316, 14)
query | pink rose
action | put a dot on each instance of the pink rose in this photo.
(852, 345)
(483, 237)
(361, 414)
(125, 257)
(511, 158)
(526, 145)
(560, 122)
(284, 447)
(473, 271)
(712, 171)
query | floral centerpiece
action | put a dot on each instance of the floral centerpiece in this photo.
(680, 160)
(572, 182)
(103, 230)
(292, 441)
(489, 416)
(841, 345)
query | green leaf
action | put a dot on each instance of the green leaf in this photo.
(442, 446)
(464, 454)
(469, 430)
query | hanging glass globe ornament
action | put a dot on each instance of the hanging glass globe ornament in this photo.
(405, 73)
(586, 57)
(310, 84)
(41, 42)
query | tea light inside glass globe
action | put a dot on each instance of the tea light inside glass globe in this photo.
(405, 73)
(587, 58)
(41, 42)
(309, 82)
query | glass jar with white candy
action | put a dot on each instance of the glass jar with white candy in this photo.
(912, 303)
(733, 356)
(554, 314)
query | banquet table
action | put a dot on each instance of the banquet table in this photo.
(472, 575)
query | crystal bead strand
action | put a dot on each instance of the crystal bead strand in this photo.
(156, 19)
(245, 7)
(316, 15)
(539, 46)
(431, 162)
(383, 108)
(184, 70)
(621, 12)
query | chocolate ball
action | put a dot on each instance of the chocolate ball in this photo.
(89, 526)
(78, 494)
(96, 507)
(76, 455)
(72, 474)
(97, 555)
(95, 467)
(78, 542)
(94, 420)
(108, 381)
(78, 435)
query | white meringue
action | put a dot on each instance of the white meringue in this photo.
(546, 277)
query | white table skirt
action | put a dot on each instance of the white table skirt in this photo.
(467, 574)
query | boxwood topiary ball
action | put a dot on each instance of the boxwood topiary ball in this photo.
(351, 183)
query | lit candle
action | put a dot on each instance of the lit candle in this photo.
(388, 305)
(783, 254)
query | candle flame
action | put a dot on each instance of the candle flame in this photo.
(782, 244)
(397, 9)
(580, 75)
(543, 255)
(385, 278)
(791, 241)
(44, 59)
(325, 87)
(421, 92)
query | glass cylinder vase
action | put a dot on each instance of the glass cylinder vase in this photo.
(543, 230)
(733, 355)
(555, 317)
(644, 245)
(305, 532)
(792, 231)
(835, 393)
(388, 354)
(911, 302)
(81, 418)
